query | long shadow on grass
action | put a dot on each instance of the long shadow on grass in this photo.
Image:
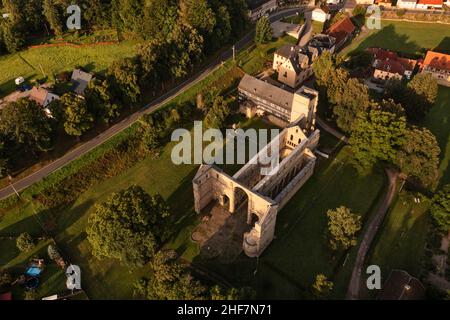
(443, 46)
(182, 206)
(388, 35)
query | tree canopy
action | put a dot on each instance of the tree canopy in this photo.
(77, 117)
(377, 137)
(418, 156)
(322, 287)
(25, 122)
(128, 226)
(263, 31)
(343, 225)
(440, 209)
(171, 280)
(217, 114)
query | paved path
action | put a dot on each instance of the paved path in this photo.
(306, 32)
(355, 281)
(325, 126)
(125, 123)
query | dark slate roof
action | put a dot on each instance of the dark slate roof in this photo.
(267, 91)
(81, 80)
(402, 286)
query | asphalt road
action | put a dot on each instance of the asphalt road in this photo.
(355, 281)
(151, 107)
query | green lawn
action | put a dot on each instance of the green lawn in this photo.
(52, 279)
(30, 63)
(438, 121)
(407, 37)
(297, 19)
(317, 27)
(400, 244)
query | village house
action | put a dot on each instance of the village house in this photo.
(438, 65)
(43, 97)
(280, 106)
(388, 65)
(259, 8)
(384, 3)
(342, 31)
(429, 4)
(364, 2)
(406, 4)
(294, 63)
(80, 80)
(400, 285)
(320, 14)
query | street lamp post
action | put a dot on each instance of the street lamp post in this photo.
(12, 185)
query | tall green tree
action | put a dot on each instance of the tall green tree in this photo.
(123, 77)
(217, 114)
(422, 93)
(128, 16)
(160, 18)
(185, 49)
(264, 31)
(128, 226)
(13, 37)
(100, 99)
(322, 287)
(440, 209)
(350, 98)
(24, 122)
(172, 280)
(418, 156)
(377, 137)
(199, 15)
(54, 15)
(78, 118)
(343, 225)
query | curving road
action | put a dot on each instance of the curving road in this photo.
(355, 281)
(151, 107)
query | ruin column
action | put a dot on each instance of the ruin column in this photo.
(232, 204)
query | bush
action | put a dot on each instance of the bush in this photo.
(5, 280)
(400, 12)
(53, 253)
(25, 242)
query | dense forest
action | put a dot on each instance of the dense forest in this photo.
(209, 23)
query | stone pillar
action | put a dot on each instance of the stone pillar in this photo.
(232, 202)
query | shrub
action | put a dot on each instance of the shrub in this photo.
(5, 280)
(400, 12)
(25, 242)
(53, 252)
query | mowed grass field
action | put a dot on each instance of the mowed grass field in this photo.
(31, 63)
(412, 38)
(402, 239)
(438, 121)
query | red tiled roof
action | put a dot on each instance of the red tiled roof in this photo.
(6, 296)
(431, 2)
(389, 61)
(341, 29)
(437, 60)
(39, 95)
